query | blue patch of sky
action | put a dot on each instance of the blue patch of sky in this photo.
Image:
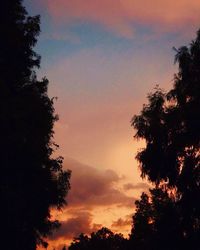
(89, 35)
(77, 36)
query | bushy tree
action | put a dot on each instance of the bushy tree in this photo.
(31, 180)
(170, 125)
(103, 239)
(155, 223)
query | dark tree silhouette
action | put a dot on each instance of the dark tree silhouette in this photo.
(170, 125)
(31, 180)
(103, 239)
(155, 223)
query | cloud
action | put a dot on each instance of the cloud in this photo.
(92, 190)
(121, 16)
(62, 36)
(105, 12)
(141, 185)
(91, 187)
(81, 222)
(120, 223)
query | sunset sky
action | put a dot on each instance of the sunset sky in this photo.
(102, 57)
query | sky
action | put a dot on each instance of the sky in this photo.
(102, 58)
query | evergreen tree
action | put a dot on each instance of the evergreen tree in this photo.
(170, 124)
(31, 180)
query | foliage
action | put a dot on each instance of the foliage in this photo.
(31, 181)
(103, 239)
(155, 223)
(170, 124)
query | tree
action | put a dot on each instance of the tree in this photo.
(155, 223)
(103, 239)
(142, 227)
(31, 181)
(170, 124)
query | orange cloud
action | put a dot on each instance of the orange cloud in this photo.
(123, 222)
(120, 15)
(141, 186)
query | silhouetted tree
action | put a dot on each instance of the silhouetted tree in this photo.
(142, 227)
(170, 125)
(103, 239)
(31, 180)
(155, 223)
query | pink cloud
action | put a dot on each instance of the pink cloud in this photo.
(108, 13)
(120, 15)
(80, 222)
(91, 187)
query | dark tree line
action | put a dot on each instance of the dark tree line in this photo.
(102, 239)
(31, 179)
(168, 217)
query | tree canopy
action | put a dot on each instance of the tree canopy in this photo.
(156, 223)
(170, 125)
(102, 239)
(32, 181)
